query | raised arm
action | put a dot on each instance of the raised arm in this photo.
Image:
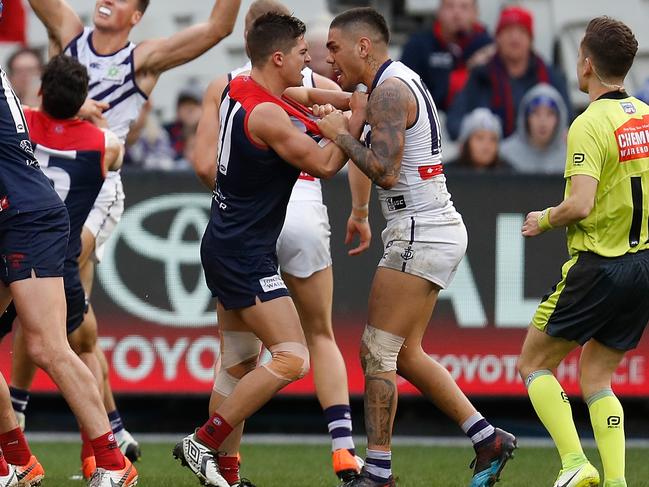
(159, 55)
(387, 113)
(62, 23)
(207, 134)
(271, 126)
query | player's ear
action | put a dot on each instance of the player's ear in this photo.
(278, 58)
(136, 17)
(364, 46)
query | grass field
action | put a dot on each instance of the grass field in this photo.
(308, 466)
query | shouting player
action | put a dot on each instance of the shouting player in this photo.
(122, 76)
(305, 263)
(425, 240)
(265, 143)
(601, 301)
(34, 228)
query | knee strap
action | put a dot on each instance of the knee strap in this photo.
(380, 350)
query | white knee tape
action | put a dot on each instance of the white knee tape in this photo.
(380, 350)
(224, 383)
(238, 347)
(290, 361)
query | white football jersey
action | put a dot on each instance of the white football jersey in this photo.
(112, 80)
(421, 190)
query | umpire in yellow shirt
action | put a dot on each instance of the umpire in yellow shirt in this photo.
(602, 301)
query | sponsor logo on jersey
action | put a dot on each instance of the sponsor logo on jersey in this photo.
(628, 107)
(396, 202)
(26, 146)
(633, 139)
(272, 283)
(578, 159)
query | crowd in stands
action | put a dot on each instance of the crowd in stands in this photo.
(506, 107)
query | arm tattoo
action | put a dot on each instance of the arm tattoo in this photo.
(380, 405)
(387, 113)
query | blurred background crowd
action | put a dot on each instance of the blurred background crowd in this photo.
(501, 73)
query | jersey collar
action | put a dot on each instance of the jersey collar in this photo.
(614, 95)
(379, 73)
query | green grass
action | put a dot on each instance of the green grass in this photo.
(308, 466)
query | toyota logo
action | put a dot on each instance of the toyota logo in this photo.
(169, 254)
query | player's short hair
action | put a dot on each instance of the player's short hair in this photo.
(365, 18)
(611, 45)
(262, 7)
(20, 52)
(64, 86)
(271, 33)
(142, 5)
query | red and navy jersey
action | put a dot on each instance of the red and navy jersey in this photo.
(71, 154)
(254, 184)
(23, 187)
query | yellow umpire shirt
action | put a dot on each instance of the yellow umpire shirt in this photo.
(610, 142)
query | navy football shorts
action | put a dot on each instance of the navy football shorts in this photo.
(33, 242)
(237, 281)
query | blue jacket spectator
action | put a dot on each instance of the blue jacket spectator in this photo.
(443, 54)
(501, 84)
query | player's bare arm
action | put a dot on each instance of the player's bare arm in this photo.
(271, 126)
(155, 56)
(207, 134)
(114, 155)
(62, 23)
(572, 210)
(387, 113)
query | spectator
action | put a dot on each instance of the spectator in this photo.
(24, 68)
(539, 143)
(443, 54)
(188, 113)
(501, 84)
(13, 26)
(147, 144)
(479, 139)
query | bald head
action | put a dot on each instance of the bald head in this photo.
(364, 22)
(263, 7)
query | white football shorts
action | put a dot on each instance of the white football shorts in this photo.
(106, 212)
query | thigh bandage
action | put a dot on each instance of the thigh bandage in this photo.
(290, 361)
(379, 350)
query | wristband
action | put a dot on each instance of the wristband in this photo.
(364, 207)
(544, 220)
(359, 219)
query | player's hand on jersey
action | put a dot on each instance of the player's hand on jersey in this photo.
(358, 103)
(92, 111)
(358, 226)
(334, 124)
(323, 110)
(531, 226)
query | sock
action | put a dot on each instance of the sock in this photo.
(86, 447)
(479, 430)
(116, 423)
(15, 448)
(214, 432)
(229, 468)
(378, 464)
(553, 409)
(607, 418)
(339, 421)
(107, 454)
(4, 468)
(19, 399)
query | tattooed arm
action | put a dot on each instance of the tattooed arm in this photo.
(387, 113)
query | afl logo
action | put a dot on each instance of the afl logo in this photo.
(152, 264)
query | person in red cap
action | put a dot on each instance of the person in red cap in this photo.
(501, 83)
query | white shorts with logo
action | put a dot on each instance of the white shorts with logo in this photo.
(431, 249)
(303, 246)
(106, 212)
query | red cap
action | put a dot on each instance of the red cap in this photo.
(516, 16)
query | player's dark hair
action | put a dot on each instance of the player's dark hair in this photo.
(611, 45)
(21, 52)
(64, 86)
(366, 17)
(142, 5)
(273, 32)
